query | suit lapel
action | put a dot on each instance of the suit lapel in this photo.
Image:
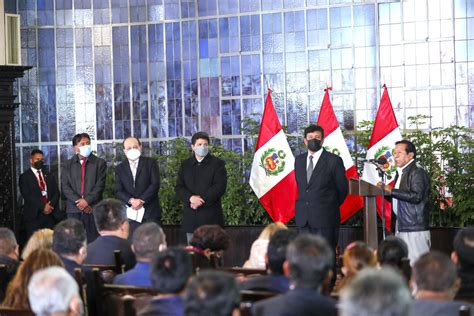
(139, 167)
(34, 181)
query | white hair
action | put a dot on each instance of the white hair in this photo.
(375, 293)
(51, 290)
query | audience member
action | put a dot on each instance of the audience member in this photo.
(375, 293)
(42, 238)
(309, 266)
(434, 284)
(8, 257)
(212, 293)
(275, 280)
(260, 245)
(356, 257)
(463, 257)
(69, 242)
(17, 290)
(111, 220)
(170, 273)
(52, 291)
(392, 252)
(207, 241)
(148, 239)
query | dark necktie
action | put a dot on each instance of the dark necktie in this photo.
(42, 187)
(83, 174)
(309, 171)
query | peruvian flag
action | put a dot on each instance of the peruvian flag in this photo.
(382, 144)
(334, 142)
(273, 169)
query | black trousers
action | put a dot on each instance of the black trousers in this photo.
(41, 221)
(89, 224)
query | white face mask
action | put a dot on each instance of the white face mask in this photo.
(133, 154)
(85, 150)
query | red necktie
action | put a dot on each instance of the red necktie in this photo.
(42, 187)
(83, 176)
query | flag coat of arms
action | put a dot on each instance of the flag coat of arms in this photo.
(272, 177)
(334, 142)
(382, 144)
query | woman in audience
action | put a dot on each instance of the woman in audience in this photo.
(17, 290)
(356, 257)
(42, 238)
(208, 242)
(259, 246)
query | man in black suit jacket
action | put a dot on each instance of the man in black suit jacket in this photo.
(83, 182)
(322, 188)
(137, 182)
(202, 181)
(111, 220)
(308, 265)
(40, 194)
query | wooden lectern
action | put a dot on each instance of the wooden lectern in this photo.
(369, 192)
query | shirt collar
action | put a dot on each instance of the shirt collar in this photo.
(315, 154)
(400, 170)
(35, 170)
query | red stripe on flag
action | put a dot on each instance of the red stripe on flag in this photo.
(327, 119)
(353, 203)
(385, 122)
(280, 200)
(272, 125)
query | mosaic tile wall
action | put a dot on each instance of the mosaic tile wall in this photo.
(160, 69)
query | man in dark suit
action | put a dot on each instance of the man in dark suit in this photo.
(202, 181)
(275, 280)
(137, 182)
(308, 265)
(83, 182)
(9, 257)
(40, 194)
(111, 220)
(322, 188)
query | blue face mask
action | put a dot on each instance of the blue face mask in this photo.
(85, 151)
(201, 150)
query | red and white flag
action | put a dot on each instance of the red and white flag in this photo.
(382, 144)
(334, 142)
(273, 169)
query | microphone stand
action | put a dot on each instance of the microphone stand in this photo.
(382, 175)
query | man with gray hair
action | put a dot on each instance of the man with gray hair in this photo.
(53, 291)
(8, 257)
(148, 239)
(375, 293)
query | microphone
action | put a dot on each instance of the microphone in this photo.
(379, 161)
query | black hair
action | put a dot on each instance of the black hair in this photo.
(409, 146)
(36, 151)
(109, 214)
(68, 237)
(391, 251)
(276, 251)
(199, 135)
(171, 270)
(211, 237)
(434, 271)
(77, 138)
(138, 140)
(314, 128)
(464, 247)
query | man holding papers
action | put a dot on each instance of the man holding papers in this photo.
(137, 182)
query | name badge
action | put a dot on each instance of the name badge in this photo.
(44, 193)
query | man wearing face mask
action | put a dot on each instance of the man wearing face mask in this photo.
(40, 194)
(137, 182)
(322, 188)
(83, 182)
(202, 181)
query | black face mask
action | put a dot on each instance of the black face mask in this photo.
(38, 164)
(314, 145)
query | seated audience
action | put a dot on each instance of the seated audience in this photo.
(42, 238)
(17, 291)
(392, 252)
(275, 280)
(309, 261)
(259, 246)
(212, 293)
(208, 240)
(8, 257)
(376, 293)
(111, 220)
(356, 257)
(434, 284)
(69, 242)
(148, 239)
(463, 257)
(52, 291)
(170, 273)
